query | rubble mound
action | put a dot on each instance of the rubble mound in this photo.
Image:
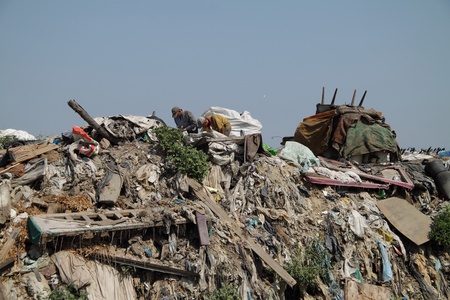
(125, 223)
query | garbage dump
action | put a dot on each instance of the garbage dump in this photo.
(127, 207)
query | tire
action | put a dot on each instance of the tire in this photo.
(433, 168)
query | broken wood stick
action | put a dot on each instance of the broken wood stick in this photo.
(202, 228)
(353, 99)
(83, 114)
(6, 264)
(205, 197)
(9, 243)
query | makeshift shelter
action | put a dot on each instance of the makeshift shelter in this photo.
(347, 131)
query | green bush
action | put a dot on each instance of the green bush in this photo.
(226, 292)
(440, 228)
(4, 140)
(65, 292)
(186, 159)
(307, 265)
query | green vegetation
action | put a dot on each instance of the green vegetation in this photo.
(65, 292)
(440, 229)
(4, 140)
(226, 292)
(307, 266)
(186, 159)
(128, 270)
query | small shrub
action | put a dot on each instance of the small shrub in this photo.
(226, 292)
(308, 265)
(127, 270)
(440, 228)
(186, 159)
(65, 292)
(5, 140)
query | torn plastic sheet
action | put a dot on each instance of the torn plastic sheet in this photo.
(357, 223)
(387, 270)
(299, 154)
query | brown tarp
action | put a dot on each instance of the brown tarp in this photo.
(360, 291)
(351, 131)
(351, 115)
(315, 131)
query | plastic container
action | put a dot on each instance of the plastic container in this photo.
(444, 153)
(434, 167)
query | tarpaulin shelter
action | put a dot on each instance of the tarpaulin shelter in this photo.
(348, 131)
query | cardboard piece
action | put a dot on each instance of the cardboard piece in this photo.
(407, 219)
(358, 291)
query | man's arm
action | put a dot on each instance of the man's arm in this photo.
(192, 122)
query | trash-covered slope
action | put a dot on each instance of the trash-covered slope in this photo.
(125, 224)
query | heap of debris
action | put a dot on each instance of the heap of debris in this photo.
(115, 220)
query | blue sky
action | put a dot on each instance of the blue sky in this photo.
(270, 58)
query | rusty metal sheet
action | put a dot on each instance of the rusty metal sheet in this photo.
(318, 179)
(406, 218)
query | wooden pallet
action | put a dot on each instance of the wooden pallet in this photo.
(48, 226)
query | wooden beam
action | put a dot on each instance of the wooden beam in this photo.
(83, 114)
(9, 243)
(7, 263)
(142, 264)
(204, 196)
(202, 228)
(26, 152)
(353, 99)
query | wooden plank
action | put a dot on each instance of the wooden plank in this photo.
(50, 226)
(27, 152)
(92, 214)
(86, 218)
(9, 243)
(202, 229)
(204, 196)
(144, 264)
(406, 218)
(7, 263)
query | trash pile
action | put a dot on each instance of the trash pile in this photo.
(105, 212)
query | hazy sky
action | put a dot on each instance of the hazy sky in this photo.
(270, 58)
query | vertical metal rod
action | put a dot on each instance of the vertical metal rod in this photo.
(334, 97)
(323, 95)
(362, 99)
